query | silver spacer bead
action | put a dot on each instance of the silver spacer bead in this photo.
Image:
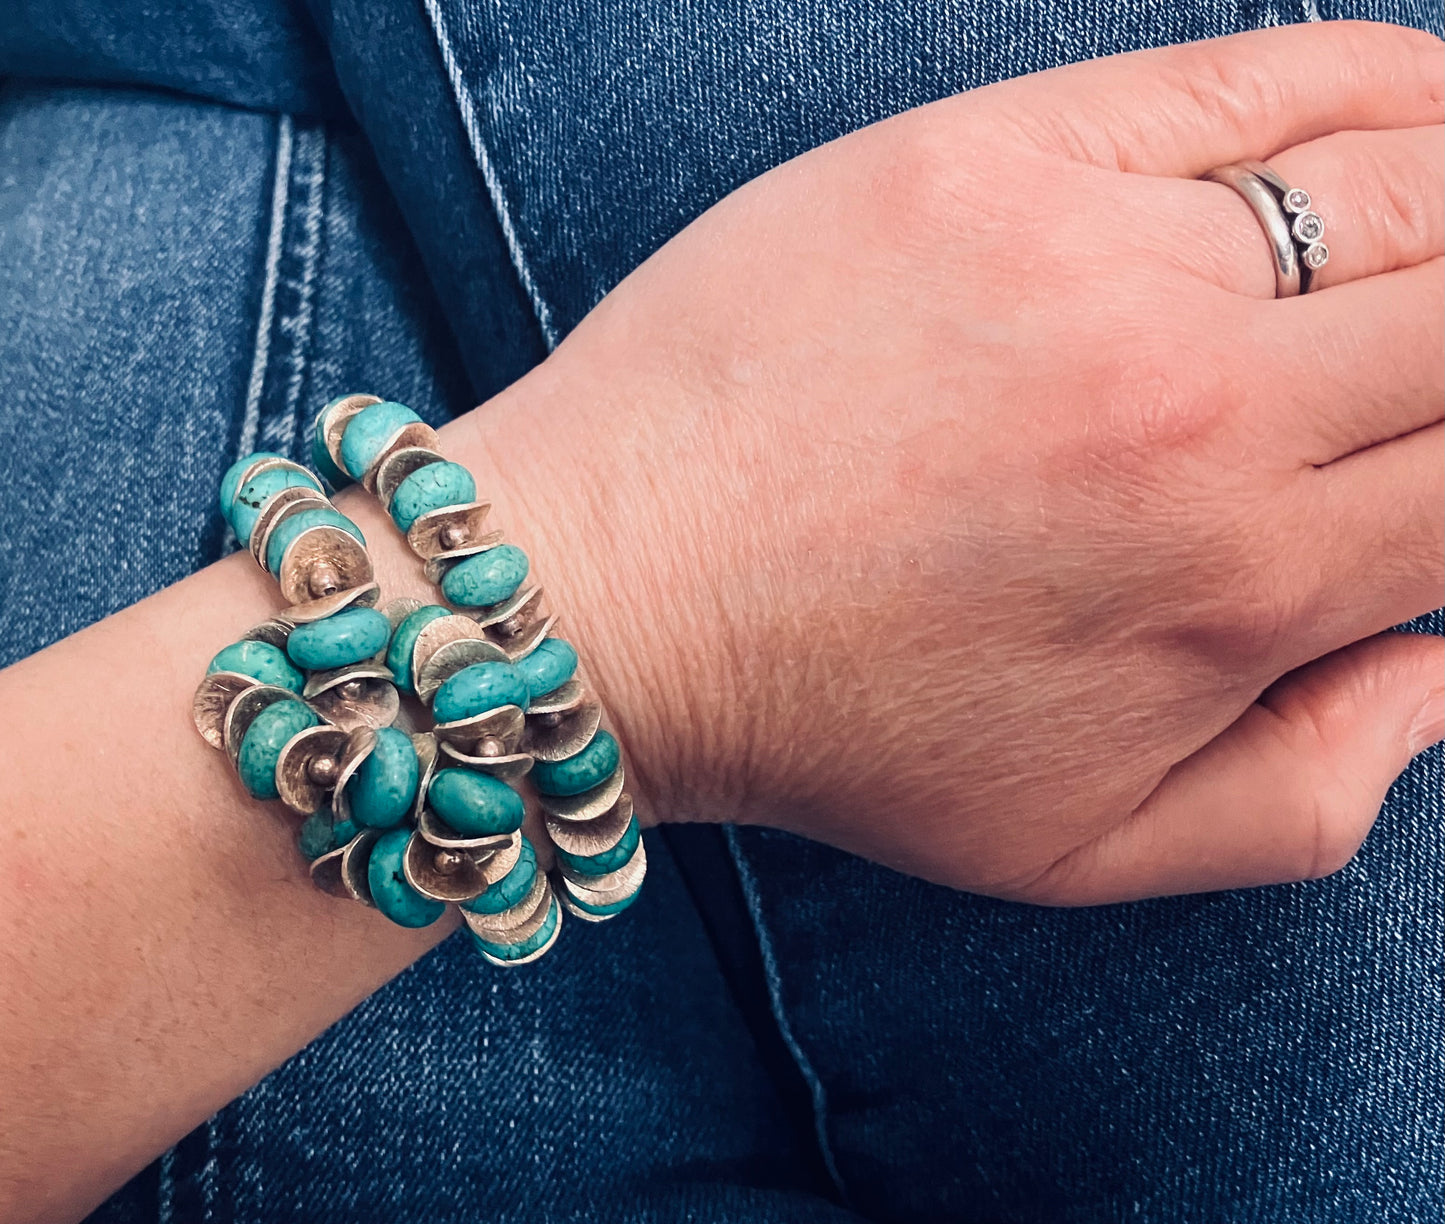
(454, 535)
(448, 861)
(323, 580)
(323, 771)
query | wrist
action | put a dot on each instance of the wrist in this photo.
(595, 527)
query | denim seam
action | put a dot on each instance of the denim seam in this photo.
(775, 993)
(1311, 10)
(467, 107)
(261, 352)
(308, 160)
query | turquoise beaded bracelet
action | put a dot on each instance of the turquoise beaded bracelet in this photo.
(318, 705)
(495, 624)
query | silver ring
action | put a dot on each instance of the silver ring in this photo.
(1295, 231)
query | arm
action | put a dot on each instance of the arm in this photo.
(912, 501)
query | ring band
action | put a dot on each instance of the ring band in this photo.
(1294, 230)
(1307, 227)
(1267, 208)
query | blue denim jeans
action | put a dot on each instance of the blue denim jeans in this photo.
(229, 211)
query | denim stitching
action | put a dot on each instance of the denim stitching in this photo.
(1311, 10)
(280, 189)
(467, 106)
(309, 158)
(775, 993)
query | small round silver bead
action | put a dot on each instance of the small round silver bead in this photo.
(322, 770)
(513, 625)
(323, 580)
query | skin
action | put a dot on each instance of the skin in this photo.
(956, 494)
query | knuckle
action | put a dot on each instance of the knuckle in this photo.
(1398, 56)
(1402, 211)
(922, 189)
(1230, 90)
(1099, 138)
(932, 177)
(1177, 409)
(916, 174)
(1162, 396)
(1365, 47)
(1382, 190)
(1394, 40)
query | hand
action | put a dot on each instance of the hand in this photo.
(952, 493)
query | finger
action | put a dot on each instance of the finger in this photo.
(1287, 792)
(1381, 195)
(1182, 110)
(1369, 535)
(1351, 367)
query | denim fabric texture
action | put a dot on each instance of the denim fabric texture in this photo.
(161, 291)
(257, 53)
(181, 281)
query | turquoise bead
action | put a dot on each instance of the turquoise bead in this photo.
(394, 897)
(351, 635)
(261, 661)
(550, 665)
(485, 578)
(368, 431)
(321, 833)
(315, 837)
(614, 859)
(321, 457)
(265, 737)
(475, 804)
(253, 495)
(605, 911)
(383, 788)
(231, 481)
(431, 488)
(518, 950)
(403, 642)
(294, 524)
(321, 461)
(581, 771)
(478, 688)
(511, 888)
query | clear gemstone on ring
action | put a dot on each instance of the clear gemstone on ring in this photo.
(1316, 256)
(1297, 199)
(1309, 227)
